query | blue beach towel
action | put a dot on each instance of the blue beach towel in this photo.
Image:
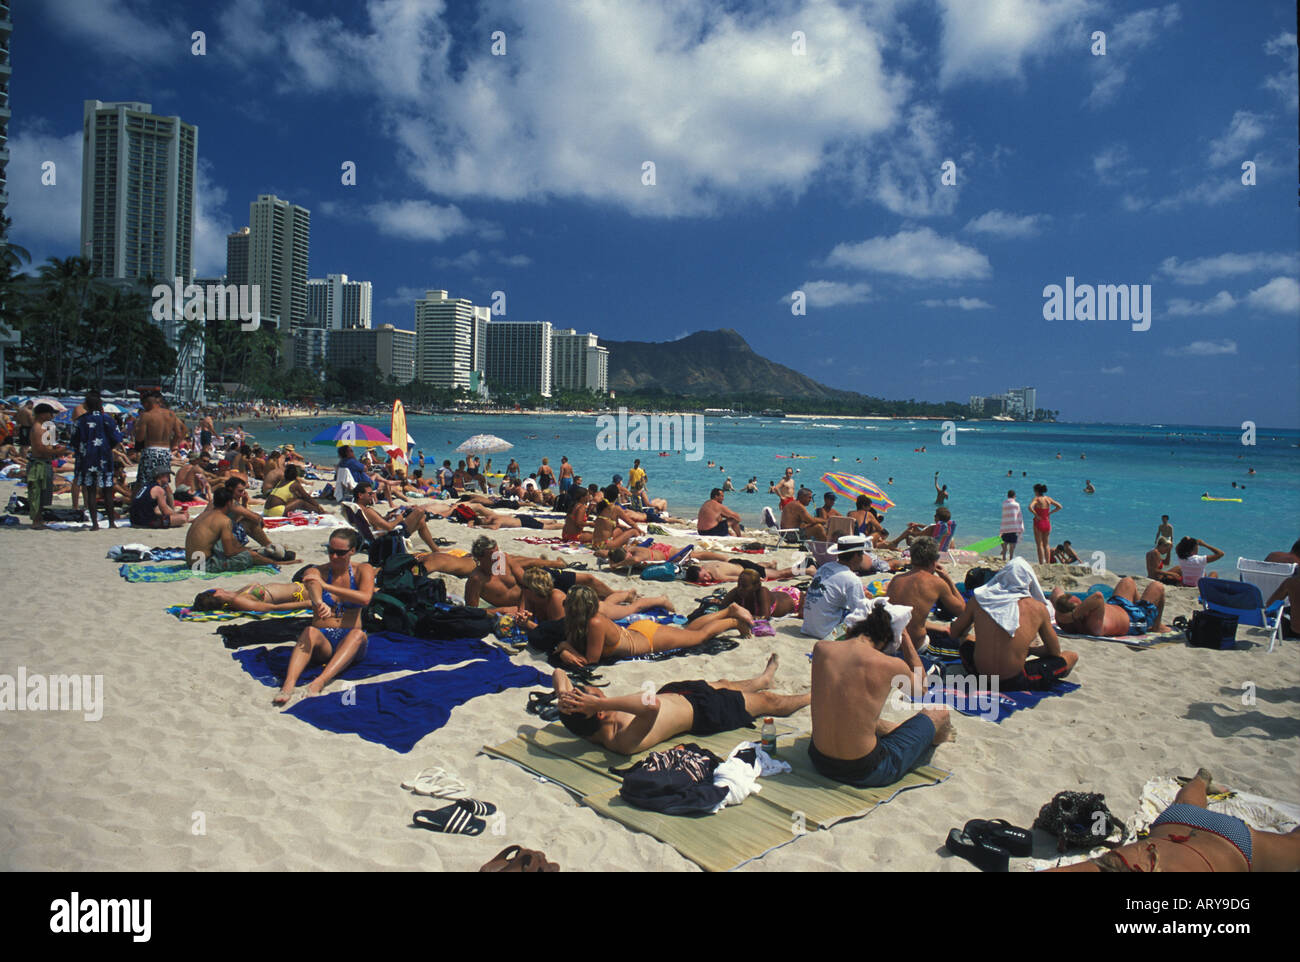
(1007, 703)
(137, 573)
(386, 653)
(398, 713)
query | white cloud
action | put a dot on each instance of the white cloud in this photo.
(833, 293)
(1203, 349)
(210, 224)
(115, 29)
(1281, 295)
(418, 220)
(46, 220)
(406, 297)
(1118, 369)
(1205, 269)
(1129, 35)
(588, 92)
(919, 254)
(1111, 165)
(999, 223)
(467, 261)
(1284, 82)
(1220, 303)
(961, 303)
(1231, 147)
(1109, 82)
(990, 40)
(513, 260)
(902, 173)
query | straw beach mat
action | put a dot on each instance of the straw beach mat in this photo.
(765, 821)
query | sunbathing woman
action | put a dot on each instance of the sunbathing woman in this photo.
(338, 590)
(290, 495)
(254, 597)
(590, 637)
(1188, 837)
(762, 602)
(545, 600)
(634, 557)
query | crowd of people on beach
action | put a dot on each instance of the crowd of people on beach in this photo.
(876, 607)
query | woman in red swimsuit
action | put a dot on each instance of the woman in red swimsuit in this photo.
(1042, 508)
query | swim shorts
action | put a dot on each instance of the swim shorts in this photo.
(894, 756)
(152, 461)
(1142, 615)
(528, 521)
(1010, 537)
(1039, 673)
(721, 530)
(564, 580)
(716, 709)
(218, 562)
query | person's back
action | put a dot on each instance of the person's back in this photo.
(154, 427)
(1000, 653)
(850, 682)
(836, 590)
(144, 507)
(919, 590)
(205, 532)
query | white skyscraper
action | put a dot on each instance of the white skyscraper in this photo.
(339, 304)
(449, 341)
(137, 192)
(279, 245)
(578, 362)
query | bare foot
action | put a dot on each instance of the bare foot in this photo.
(769, 672)
(282, 697)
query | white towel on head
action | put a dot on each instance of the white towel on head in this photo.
(899, 617)
(1000, 595)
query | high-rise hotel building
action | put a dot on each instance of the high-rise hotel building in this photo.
(338, 304)
(137, 192)
(450, 341)
(578, 362)
(519, 356)
(278, 248)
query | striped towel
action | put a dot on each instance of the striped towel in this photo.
(1012, 520)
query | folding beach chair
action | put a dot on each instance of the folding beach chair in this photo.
(344, 484)
(784, 536)
(1243, 601)
(1267, 576)
(837, 528)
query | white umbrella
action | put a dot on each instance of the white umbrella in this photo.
(110, 408)
(484, 444)
(52, 402)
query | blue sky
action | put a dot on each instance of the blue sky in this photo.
(775, 171)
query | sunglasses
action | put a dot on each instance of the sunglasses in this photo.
(339, 552)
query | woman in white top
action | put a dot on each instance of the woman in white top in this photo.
(1191, 567)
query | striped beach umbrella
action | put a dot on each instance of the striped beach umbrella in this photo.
(853, 485)
(351, 433)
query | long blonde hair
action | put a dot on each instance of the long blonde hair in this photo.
(580, 606)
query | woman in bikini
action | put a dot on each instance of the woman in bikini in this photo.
(762, 602)
(1188, 837)
(1042, 508)
(545, 601)
(590, 637)
(254, 597)
(338, 591)
(290, 495)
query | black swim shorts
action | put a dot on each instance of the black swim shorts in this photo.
(716, 709)
(1039, 673)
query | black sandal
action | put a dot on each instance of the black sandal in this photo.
(452, 820)
(985, 855)
(1017, 841)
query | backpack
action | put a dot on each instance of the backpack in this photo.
(385, 546)
(1079, 820)
(1210, 629)
(661, 572)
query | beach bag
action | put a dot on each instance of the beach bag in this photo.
(388, 613)
(385, 546)
(451, 622)
(1209, 629)
(661, 572)
(1079, 820)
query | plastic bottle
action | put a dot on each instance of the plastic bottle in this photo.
(769, 736)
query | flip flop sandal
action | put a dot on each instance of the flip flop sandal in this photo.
(505, 860)
(452, 820)
(438, 783)
(1000, 832)
(985, 855)
(576, 566)
(475, 807)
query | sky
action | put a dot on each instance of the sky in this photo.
(920, 171)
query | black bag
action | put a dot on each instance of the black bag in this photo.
(385, 546)
(978, 577)
(1209, 629)
(449, 622)
(1079, 820)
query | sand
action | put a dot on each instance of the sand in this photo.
(190, 768)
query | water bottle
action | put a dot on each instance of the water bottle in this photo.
(769, 736)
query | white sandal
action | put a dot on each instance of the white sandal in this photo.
(437, 783)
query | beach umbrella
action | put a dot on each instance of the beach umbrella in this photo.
(52, 402)
(351, 433)
(853, 485)
(110, 408)
(484, 444)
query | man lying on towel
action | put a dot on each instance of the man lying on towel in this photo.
(851, 680)
(212, 536)
(1008, 613)
(635, 723)
(1123, 613)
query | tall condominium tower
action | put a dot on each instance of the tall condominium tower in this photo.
(237, 256)
(339, 304)
(137, 192)
(450, 336)
(519, 356)
(278, 247)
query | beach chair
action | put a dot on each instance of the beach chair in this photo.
(1243, 601)
(784, 536)
(344, 484)
(837, 528)
(1267, 576)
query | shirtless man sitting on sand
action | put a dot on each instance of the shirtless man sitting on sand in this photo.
(926, 585)
(851, 680)
(795, 515)
(1124, 613)
(634, 723)
(212, 536)
(716, 519)
(501, 588)
(590, 637)
(545, 599)
(1008, 616)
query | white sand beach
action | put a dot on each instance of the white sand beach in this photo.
(190, 768)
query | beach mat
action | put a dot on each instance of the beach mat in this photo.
(387, 652)
(1149, 640)
(765, 821)
(186, 613)
(398, 713)
(138, 573)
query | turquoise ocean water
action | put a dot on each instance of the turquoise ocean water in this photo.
(1139, 472)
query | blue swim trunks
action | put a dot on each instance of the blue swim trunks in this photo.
(894, 756)
(1142, 615)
